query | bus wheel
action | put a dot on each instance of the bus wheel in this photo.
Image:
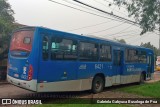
(141, 79)
(97, 84)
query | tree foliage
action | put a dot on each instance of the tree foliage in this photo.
(6, 13)
(121, 40)
(145, 12)
(6, 26)
(6, 17)
(149, 45)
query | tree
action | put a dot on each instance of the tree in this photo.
(5, 11)
(121, 40)
(6, 26)
(149, 45)
(145, 12)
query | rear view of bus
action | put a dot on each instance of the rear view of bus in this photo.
(21, 59)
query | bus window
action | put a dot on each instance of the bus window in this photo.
(45, 49)
(21, 42)
(88, 51)
(105, 53)
(142, 57)
(63, 49)
(131, 55)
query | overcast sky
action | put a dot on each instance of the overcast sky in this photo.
(51, 15)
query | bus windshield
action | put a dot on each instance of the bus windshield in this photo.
(22, 41)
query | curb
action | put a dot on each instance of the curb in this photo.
(151, 81)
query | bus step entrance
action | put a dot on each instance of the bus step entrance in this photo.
(148, 77)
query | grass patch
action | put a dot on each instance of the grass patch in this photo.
(147, 89)
(78, 103)
(82, 105)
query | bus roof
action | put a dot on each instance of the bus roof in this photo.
(85, 36)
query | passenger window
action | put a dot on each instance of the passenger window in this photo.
(142, 57)
(45, 49)
(133, 55)
(88, 51)
(63, 49)
(105, 53)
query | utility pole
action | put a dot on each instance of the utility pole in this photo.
(159, 24)
(159, 34)
(159, 31)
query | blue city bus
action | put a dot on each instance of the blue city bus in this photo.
(45, 60)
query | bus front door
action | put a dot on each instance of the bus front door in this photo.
(117, 66)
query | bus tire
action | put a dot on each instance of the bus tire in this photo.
(97, 84)
(141, 81)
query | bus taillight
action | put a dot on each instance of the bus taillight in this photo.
(30, 72)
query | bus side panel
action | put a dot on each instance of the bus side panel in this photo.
(56, 75)
(132, 72)
(88, 70)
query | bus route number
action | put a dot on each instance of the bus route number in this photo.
(98, 66)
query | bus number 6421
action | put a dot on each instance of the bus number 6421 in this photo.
(98, 66)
